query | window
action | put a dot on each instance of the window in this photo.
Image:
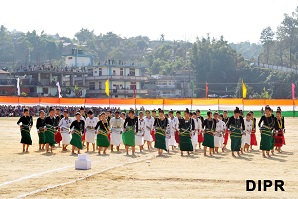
(116, 96)
(99, 85)
(121, 71)
(95, 71)
(45, 90)
(114, 72)
(69, 57)
(91, 86)
(100, 71)
(33, 89)
(132, 72)
(162, 83)
(133, 85)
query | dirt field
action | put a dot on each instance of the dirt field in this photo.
(40, 175)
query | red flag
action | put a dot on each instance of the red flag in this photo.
(293, 91)
(206, 90)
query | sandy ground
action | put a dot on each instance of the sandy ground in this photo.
(40, 175)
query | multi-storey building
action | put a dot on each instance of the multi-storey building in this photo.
(78, 78)
(41, 81)
(125, 80)
(175, 86)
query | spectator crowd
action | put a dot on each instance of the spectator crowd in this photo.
(17, 111)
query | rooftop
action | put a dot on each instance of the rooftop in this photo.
(3, 72)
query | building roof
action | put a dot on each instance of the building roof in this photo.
(3, 72)
(119, 66)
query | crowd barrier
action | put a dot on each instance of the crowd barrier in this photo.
(287, 105)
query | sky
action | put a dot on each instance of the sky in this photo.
(236, 20)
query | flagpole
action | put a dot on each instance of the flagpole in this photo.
(293, 98)
(293, 101)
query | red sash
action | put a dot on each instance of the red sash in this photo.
(177, 136)
(58, 136)
(153, 134)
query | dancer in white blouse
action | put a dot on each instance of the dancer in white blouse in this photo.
(173, 127)
(245, 142)
(139, 137)
(218, 136)
(149, 121)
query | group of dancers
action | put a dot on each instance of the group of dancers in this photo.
(167, 131)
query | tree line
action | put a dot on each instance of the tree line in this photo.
(280, 47)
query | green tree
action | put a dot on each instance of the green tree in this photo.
(267, 40)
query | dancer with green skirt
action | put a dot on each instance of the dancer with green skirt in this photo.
(266, 126)
(25, 128)
(40, 125)
(50, 130)
(185, 132)
(128, 135)
(160, 125)
(103, 130)
(236, 127)
(209, 126)
(77, 130)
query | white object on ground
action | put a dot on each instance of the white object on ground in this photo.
(83, 162)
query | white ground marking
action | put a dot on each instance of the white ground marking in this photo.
(34, 175)
(79, 179)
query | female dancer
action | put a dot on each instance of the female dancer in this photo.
(187, 127)
(160, 125)
(50, 131)
(180, 120)
(77, 129)
(218, 141)
(209, 125)
(246, 138)
(140, 131)
(102, 128)
(40, 125)
(200, 119)
(236, 126)
(27, 123)
(173, 127)
(253, 139)
(266, 131)
(149, 121)
(130, 128)
(225, 119)
(279, 138)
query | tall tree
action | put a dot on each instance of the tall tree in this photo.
(267, 40)
(289, 28)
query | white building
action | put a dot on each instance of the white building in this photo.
(125, 81)
(175, 86)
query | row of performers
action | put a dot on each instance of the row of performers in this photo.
(132, 131)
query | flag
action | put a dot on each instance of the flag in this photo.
(18, 86)
(207, 89)
(76, 88)
(59, 89)
(266, 94)
(293, 91)
(244, 90)
(107, 88)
